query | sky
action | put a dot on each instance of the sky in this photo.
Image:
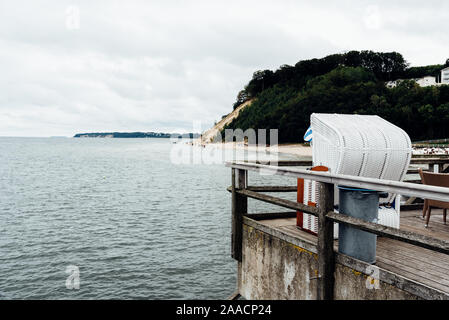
(69, 67)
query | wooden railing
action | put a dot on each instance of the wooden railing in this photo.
(324, 211)
(435, 163)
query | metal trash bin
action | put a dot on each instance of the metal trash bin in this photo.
(362, 204)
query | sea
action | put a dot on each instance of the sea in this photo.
(95, 218)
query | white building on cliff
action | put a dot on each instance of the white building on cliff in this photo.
(445, 76)
(425, 81)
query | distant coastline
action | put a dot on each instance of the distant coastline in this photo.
(136, 135)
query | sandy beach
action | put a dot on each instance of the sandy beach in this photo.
(295, 149)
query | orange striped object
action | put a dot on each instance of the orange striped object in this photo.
(306, 221)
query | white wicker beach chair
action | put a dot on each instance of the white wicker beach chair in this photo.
(363, 145)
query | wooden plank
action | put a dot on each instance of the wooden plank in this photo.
(412, 253)
(422, 269)
(414, 219)
(409, 273)
(271, 215)
(416, 258)
(268, 188)
(416, 224)
(296, 231)
(284, 163)
(272, 188)
(392, 233)
(239, 208)
(295, 163)
(326, 263)
(436, 263)
(278, 201)
(434, 231)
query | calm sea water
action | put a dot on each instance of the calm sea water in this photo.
(135, 224)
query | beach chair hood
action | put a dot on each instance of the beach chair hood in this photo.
(360, 145)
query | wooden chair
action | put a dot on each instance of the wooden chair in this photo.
(434, 179)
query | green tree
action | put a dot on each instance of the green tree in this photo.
(353, 82)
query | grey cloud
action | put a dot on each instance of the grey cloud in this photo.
(159, 65)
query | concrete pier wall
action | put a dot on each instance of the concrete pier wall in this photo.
(276, 266)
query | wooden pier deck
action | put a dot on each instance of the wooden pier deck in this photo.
(276, 260)
(423, 266)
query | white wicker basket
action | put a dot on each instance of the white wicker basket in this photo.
(362, 145)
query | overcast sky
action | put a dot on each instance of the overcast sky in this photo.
(88, 66)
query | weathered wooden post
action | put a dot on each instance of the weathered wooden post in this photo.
(239, 208)
(326, 263)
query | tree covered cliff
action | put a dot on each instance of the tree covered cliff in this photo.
(353, 82)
